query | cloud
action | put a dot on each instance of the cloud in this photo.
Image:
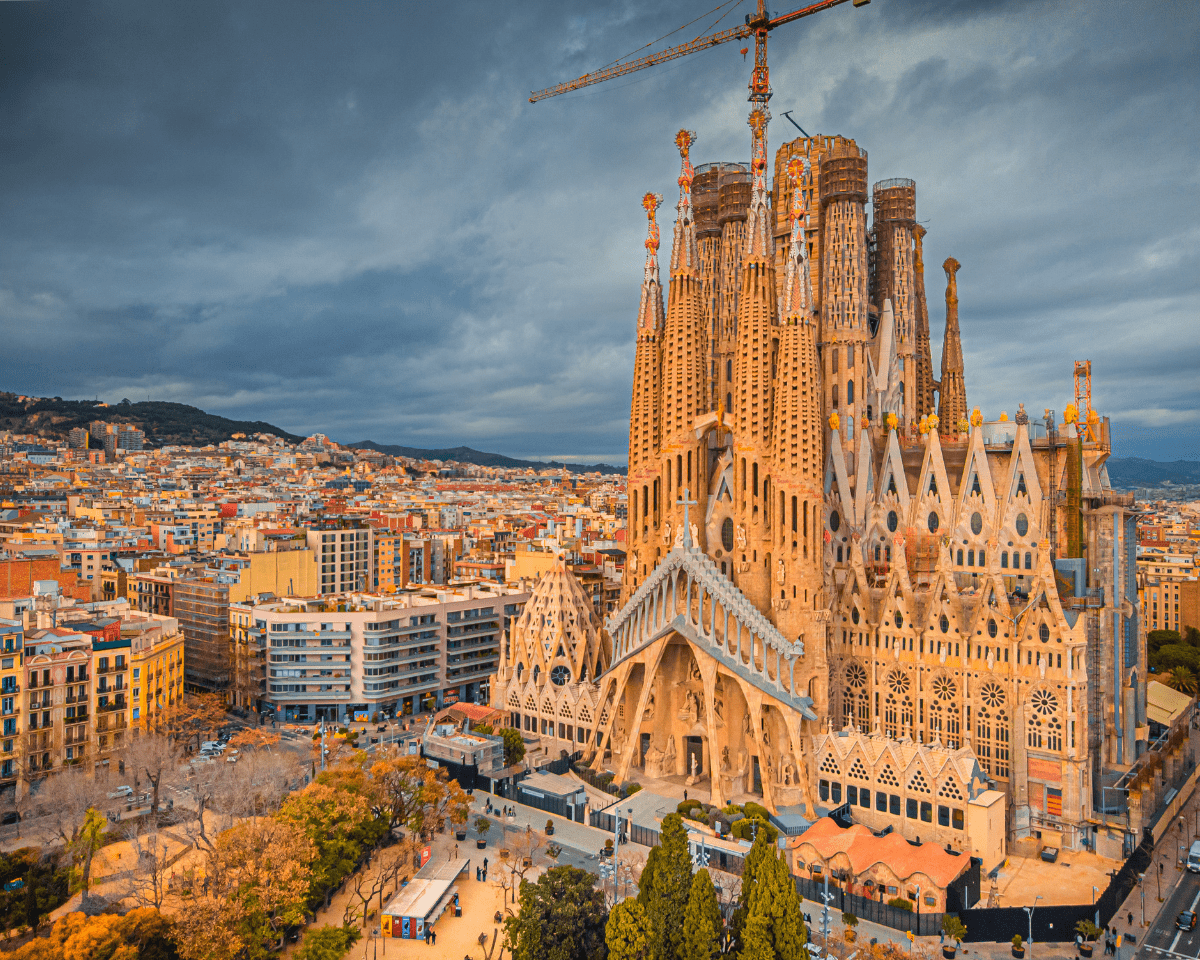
(351, 220)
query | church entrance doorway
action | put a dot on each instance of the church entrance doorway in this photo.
(645, 746)
(695, 755)
(757, 777)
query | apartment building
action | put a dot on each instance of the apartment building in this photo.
(72, 695)
(1169, 588)
(201, 605)
(344, 553)
(355, 655)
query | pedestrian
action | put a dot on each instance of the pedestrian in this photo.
(684, 794)
(485, 863)
(485, 874)
(1131, 918)
(478, 873)
(435, 938)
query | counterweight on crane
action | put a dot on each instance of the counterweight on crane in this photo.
(758, 25)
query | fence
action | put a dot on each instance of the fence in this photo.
(606, 821)
(1048, 924)
(921, 924)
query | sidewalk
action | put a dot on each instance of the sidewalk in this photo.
(567, 833)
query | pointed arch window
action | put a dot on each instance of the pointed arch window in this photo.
(975, 488)
(1021, 488)
(835, 394)
(849, 392)
(1004, 559)
(1028, 560)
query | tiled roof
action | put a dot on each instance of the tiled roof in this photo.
(864, 850)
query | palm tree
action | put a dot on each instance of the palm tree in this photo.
(1182, 679)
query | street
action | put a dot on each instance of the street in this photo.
(1164, 938)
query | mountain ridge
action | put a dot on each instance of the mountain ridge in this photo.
(481, 458)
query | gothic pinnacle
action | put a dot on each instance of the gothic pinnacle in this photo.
(650, 311)
(760, 240)
(796, 303)
(684, 256)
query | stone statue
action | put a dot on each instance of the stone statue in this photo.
(741, 536)
(648, 713)
(669, 757)
(694, 776)
(780, 572)
(633, 562)
(725, 759)
(653, 766)
(719, 711)
(667, 532)
(691, 708)
(695, 536)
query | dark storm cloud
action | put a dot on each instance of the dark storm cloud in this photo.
(347, 218)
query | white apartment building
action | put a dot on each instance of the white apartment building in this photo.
(353, 655)
(344, 554)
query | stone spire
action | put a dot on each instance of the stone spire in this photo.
(643, 420)
(924, 361)
(760, 238)
(684, 256)
(952, 399)
(796, 301)
(684, 395)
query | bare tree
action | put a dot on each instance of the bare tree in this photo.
(72, 802)
(201, 785)
(147, 880)
(153, 759)
(392, 863)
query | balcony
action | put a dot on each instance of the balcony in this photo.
(14, 688)
(118, 704)
(80, 717)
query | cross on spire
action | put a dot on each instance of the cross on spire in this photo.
(687, 527)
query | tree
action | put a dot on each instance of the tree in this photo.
(702, 927)
(341, 826)
(416, 797)
(627, 932)
(774, 912)
(327, 942)
(195, 717)
(256, 881)
(148, 879)
(665, 886)
(751, 870)
(391, 864)
(562, 917)
(155, 759)
(1181, 679)
(514, 746)
(143, 934)
(83, 846)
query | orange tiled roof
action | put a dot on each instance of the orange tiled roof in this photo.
(864, 850)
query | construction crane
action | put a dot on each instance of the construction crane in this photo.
(758, 25)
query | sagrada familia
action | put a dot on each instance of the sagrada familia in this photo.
(843, 586)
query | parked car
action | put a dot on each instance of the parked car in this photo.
(1186, 920)
(123, 792)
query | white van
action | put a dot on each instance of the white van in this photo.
(1193, 858)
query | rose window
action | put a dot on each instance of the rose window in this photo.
(898, 681)
(945, 688)
(1044, 702)
(992, 694)
(560, 675)
(856, 676)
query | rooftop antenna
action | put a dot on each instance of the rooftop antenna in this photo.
(788, 114)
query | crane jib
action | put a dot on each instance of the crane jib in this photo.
(751, 27)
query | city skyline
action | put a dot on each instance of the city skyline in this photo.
(359, 226)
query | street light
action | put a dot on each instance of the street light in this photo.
(1142, 886)
(1029, 913)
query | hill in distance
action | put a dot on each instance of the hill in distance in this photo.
(1126, 472)
(482, 459)
(163, 423)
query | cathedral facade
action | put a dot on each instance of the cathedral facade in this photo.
(844, 587)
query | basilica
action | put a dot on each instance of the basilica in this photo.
(844, 586)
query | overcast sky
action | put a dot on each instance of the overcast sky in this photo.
(346, 217)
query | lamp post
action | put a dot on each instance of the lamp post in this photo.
(1029, 913)
(1160, 873)
(1142, 886)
